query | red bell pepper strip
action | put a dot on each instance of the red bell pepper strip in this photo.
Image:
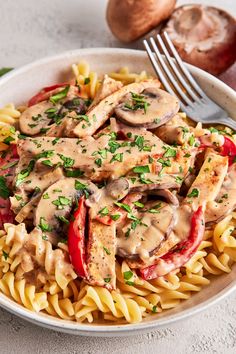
(228, 149)
(177, 257)
(44, 94)
(76, 239)
(115, 210)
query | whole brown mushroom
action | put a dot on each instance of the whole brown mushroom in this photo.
(131, 19)
(204, 36)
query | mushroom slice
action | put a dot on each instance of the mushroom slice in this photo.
(150, 109)
(36, 118)
(156, 222)
(99, 114)
(101, 254)
(167, 195)
(53, 210)
(46, 116)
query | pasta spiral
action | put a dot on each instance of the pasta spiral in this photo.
(112, 302)
(23, 293)
(24, 250)
(9, 116)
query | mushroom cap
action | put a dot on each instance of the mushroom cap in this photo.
(204, 36)
(130, 19)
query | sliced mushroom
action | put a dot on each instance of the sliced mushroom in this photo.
(129, 20)
(150, 109)
(204, 36)
(54, 207)
(49, 118)
(169, 196)
(35, 118)
(156, 223)
(99, 114)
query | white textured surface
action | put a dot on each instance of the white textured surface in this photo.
(32, 29)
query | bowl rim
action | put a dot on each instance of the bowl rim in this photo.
(120, 329)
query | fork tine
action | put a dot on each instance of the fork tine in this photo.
(169, 74)
(158, 70)
(183, 67)
(176, 71)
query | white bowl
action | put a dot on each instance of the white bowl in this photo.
(19, 85)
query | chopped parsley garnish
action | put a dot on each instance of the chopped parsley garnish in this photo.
(44, 225)
(44, 130)
(98, 162)
(194, 193)
(191, 140)
(179, 179)
(68, 162)
(128, 275)
(8, 140)
(46, 153)
(18, 197)
(138, 102)
(123, 206)
(82, 187)
(61, 202)
(45, 196)
(170, 152)
(5, 255)
(74, 173)
(36, 118)
(154, 309)
(104, 211)
(117, 157)
(107, 280)
(25, 173)
(128, 282)
(60, 95)
(107, 251)
(141, 169)
(62, 219)
(4, 190)
(86, 81)
(187, 155)
(47, 163)
(164, 163)
(157, 120)
(115, 217)
(55, 141)
(113, 146)
(138, 204)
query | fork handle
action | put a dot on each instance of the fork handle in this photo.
(229, 122)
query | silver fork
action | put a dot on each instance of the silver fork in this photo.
(178, 81)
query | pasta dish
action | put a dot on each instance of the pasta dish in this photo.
(114, 204)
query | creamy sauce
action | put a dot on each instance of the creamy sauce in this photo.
(155, 226)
